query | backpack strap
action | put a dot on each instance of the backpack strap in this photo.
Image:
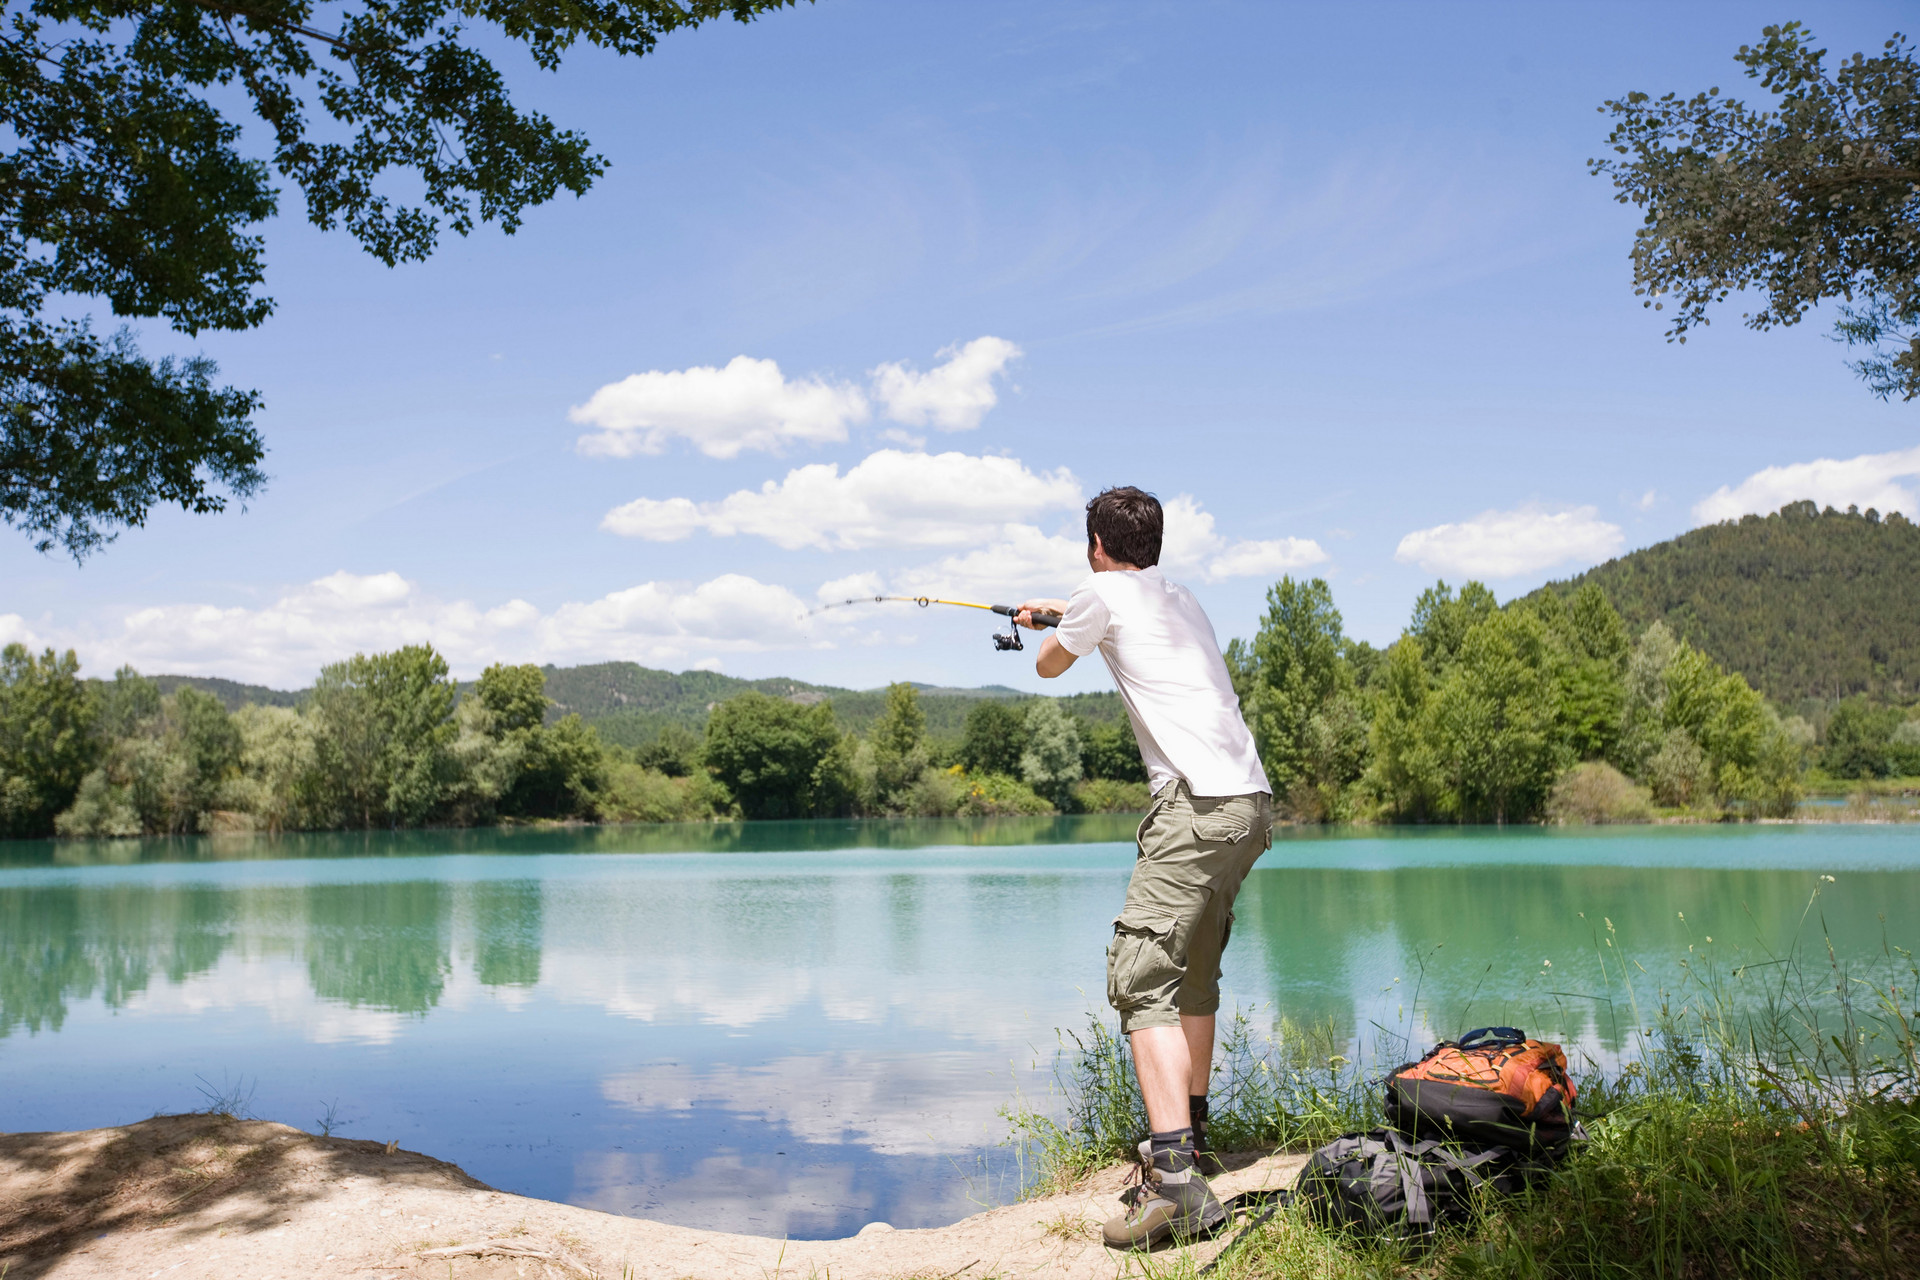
(1466, 1165)
(1406, 1163)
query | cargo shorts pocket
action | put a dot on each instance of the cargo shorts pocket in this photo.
(1140, 957)
(1223, 826)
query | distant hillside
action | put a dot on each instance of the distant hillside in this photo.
(630, 704)
(234, 694)
(1807, 604)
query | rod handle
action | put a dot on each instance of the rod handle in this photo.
(1041, 617)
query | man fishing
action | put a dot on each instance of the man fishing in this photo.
(1211, 818)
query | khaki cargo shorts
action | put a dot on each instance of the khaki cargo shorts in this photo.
(1194, 852)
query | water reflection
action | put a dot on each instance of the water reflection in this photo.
(671, 837)
(801, 1041)
(507, 933)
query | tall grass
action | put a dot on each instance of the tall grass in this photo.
(1295, 1086)
(1762, 1119)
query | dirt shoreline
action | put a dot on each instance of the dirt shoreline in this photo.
(185, 1197)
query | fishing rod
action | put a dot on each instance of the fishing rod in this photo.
(1001, 643)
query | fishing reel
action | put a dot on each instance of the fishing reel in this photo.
(1041, 618)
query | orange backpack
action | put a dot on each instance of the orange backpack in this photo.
(1492, 1086)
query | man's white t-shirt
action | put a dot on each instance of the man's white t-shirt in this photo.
(1161, 649)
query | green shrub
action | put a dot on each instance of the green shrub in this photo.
(635, 793)
(992, 794)
(1104, 795)
(1596, 792)
(937, 793)
(100, 809)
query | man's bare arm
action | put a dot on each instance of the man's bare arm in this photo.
(1054, 657)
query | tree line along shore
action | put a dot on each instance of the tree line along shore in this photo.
(1549, 708)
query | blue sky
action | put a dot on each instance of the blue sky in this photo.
(1333, 281)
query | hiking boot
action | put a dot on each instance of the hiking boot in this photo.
(1171, 1203)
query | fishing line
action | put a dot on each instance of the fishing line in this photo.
(1041, 617)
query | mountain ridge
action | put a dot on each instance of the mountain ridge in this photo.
(1809, 605)
(630, 704)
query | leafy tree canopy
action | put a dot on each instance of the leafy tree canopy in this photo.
(46, 738)
(995, 735)
(124, 181)
(1813, 199)
(774, 755)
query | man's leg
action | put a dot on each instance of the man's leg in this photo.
(1146, 961)
(1198, 1029)
(1174, 1064)
(1164, 1063)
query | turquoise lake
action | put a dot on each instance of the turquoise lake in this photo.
(800, 1028)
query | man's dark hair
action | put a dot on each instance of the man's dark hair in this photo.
(1128, 523)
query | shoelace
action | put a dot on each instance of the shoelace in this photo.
(1141, 1188)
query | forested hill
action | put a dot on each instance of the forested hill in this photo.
(231, 692)
(630, 704)
(1805, 603)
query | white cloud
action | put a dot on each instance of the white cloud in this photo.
(953, 396)
(851, 587)
(730, 612)
(1028, 561)
(891, 498)
(897, 499)
(14, 630)
(286, 642)
(746, 405)
(1264, 559)
(750, 404)
(1023, 562)
(1191, 547)
(1865, 481)
(1501, 544)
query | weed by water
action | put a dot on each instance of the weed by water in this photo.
(1762, 1120)
(231, 1099)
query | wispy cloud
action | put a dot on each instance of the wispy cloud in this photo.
(1504, 544)
(1259, 233)
(1870, 480)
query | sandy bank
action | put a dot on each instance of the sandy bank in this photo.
(186, 1197)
